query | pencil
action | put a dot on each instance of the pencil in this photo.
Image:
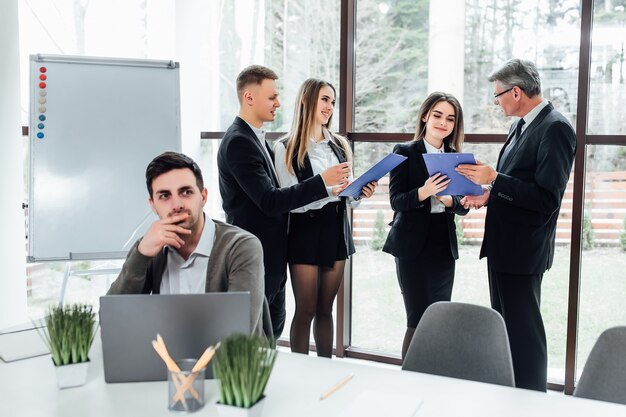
(336, 387)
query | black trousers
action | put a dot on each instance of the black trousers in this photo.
(518, 298)
(278, 313)
(423, 283)
(427, 277)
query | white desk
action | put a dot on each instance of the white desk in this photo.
(28, 388)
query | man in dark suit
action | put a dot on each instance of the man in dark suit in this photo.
(524, 200)
(251, 194)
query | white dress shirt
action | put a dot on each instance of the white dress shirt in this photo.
(528, 119)
(436, 206)
(189, 276)
(531, 115)
(322, 157)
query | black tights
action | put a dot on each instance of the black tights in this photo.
(315, 289)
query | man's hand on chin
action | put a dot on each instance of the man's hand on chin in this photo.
(164, 232)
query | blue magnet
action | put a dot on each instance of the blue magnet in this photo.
(40, 135)
(40, 126)
(42, 117)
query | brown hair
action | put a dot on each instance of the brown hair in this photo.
(169, 161)
(254, 74)
(455, 138)
(302, 124)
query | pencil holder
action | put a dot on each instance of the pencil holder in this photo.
(185, 388)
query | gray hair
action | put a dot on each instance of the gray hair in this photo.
(520, 73)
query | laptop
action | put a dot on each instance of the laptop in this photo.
(188, 323)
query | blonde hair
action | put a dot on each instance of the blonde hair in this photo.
(297, 140)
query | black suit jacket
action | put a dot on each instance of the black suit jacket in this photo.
(253, 200)
(520, 225)
(409, 227)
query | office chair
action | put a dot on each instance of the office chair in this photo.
(604, 374)
(461, 340)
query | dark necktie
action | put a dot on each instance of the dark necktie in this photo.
(509, 147)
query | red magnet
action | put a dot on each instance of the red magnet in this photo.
(42, 77)
(42, 85)
(42, 69)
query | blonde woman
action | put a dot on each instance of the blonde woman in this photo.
(319, 237)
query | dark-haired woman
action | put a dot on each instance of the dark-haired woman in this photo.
(423, 233)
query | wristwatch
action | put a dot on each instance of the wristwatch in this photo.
(493, 182)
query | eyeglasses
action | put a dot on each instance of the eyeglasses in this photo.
(495, 96)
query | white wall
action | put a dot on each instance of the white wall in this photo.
(12, 251)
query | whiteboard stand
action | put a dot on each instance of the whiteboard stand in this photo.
(83, 272)
(23, 341)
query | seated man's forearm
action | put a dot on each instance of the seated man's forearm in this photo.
(132, 278)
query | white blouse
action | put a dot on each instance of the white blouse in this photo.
(322, 157)
(436, 206)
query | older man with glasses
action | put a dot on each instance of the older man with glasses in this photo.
(523, 198)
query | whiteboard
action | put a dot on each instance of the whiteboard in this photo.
(95, 124)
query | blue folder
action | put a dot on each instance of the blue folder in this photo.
(445, 163)
(375, 173)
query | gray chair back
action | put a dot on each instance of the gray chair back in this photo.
(462, 340)
(604, 375)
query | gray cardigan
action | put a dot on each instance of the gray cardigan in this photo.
(235, 264)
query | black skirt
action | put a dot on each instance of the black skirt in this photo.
(316, 237)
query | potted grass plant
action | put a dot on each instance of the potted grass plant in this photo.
(243, 365)
(69, 333)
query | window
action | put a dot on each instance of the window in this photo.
(546, 33)
(604, 242)
(391, 64)
(378, 320)
(407, 49)
(453, 48)
(607, 87)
